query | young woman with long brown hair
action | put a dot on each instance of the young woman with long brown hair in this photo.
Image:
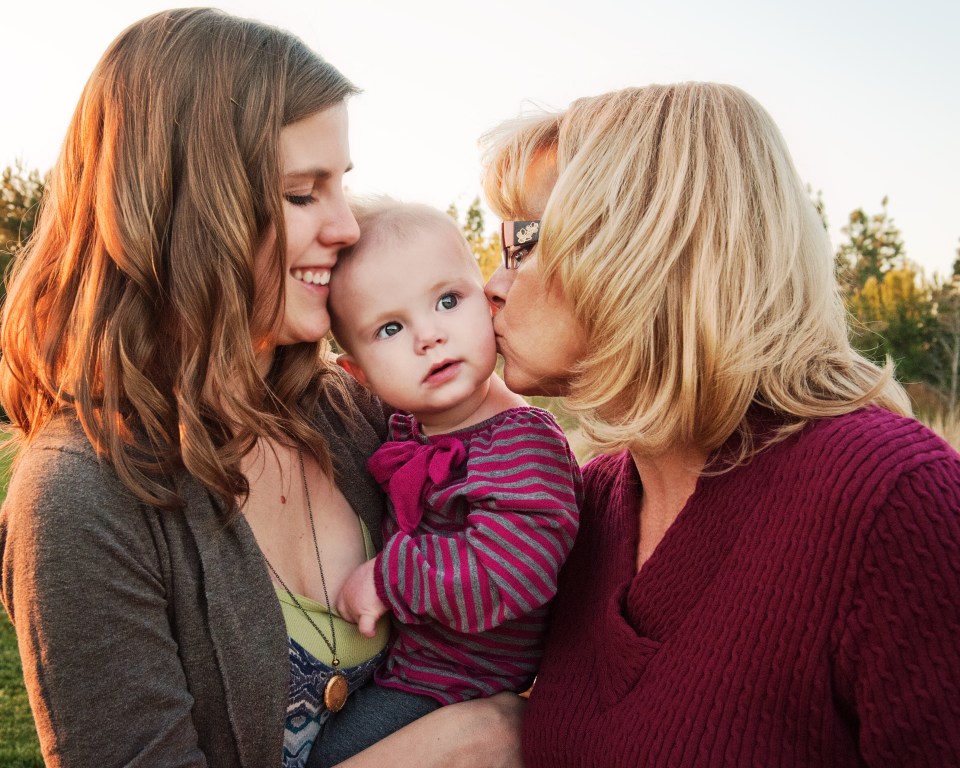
(190, 491)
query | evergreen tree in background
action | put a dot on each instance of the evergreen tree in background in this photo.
(872, 248)
(20, 193)
(893, 307)
(947, 299)
(486, 248)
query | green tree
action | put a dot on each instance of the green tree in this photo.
(893, 307)
(946, 296)
(872, 247)
(20, 193)
(485, 247)
(947, 300)
(896, 317)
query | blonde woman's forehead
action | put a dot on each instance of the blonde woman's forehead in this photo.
(527, 185)
(539, 181)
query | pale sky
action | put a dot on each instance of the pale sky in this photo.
(867, 94)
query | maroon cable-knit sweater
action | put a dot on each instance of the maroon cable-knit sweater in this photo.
(803, 610)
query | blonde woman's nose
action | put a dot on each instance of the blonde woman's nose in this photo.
(498, 286)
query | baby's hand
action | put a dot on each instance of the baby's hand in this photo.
(358, 600)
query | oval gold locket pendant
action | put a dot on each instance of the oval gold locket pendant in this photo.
(335, 692)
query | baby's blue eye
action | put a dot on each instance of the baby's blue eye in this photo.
(388, 329)
(448, 301)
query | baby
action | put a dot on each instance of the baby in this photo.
(483, 488)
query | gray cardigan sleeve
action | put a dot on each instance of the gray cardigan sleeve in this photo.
(152, 638)
(83, 584)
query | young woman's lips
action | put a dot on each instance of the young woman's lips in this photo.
(443, 372)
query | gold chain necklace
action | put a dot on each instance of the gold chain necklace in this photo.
(336, 690)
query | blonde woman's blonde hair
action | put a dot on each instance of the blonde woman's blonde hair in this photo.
(134, 303)
(696, 264)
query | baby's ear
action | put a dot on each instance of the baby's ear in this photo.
(348, 364)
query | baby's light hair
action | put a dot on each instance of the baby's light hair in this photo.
(380, 216)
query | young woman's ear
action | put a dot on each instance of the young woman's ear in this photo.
(350, 366)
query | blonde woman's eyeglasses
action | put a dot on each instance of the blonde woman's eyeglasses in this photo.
(518, 238)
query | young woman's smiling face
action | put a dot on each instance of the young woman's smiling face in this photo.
(315, 155)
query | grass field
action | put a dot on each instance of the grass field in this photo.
(18, 739)
(19, 747)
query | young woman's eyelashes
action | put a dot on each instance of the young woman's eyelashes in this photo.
(300, 199)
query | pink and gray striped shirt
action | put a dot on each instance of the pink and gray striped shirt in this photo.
(480, 522)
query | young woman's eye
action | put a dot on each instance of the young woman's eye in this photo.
(388, 329)
(448, 301)
(300, 199)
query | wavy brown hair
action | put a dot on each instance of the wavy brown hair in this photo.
(132, 305)
(696, 264)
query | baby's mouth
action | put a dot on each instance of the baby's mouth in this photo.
(439, 368)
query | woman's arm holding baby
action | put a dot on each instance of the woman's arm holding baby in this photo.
(481, 733)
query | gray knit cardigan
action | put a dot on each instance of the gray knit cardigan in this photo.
(151, 638)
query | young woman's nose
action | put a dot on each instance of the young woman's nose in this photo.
(340, 226)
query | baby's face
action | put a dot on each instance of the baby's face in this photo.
(415, 320)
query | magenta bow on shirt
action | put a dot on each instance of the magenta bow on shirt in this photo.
(403, 469)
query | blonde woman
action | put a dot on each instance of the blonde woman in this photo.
(190, 492)
(768, 566)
